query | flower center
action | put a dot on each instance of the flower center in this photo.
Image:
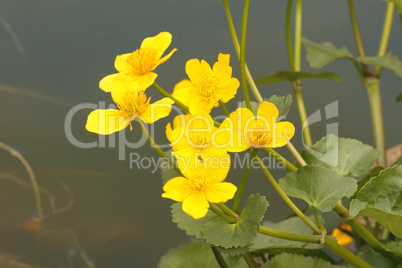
(199, 184)
(200, 140)
(134, 103)
(208, 86)
(259, 135)
(143, 60)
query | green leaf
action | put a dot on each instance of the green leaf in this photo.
(197, 255)
(394, 247)
(286, 260)
(345, 156)
(319, 187)
(221, 233)
(398, 4)
(234, 251)
(319, 55)
(285, 75)
(398, 162)
(389, 61)
(269, 244)
(254, 106)
(188, 224)
(282, 103)
(373, 258)
(374, 173)
(381, 199)
(399, 98)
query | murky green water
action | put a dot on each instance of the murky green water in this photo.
(52, 56)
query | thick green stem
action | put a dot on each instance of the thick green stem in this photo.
(319, 223)
(289, 34)
(345, 254)
(289, 236)
(358, 227)
(242, 186)
(386, 31)
(356, 32)
(218, 257)
(373, 89)
(296, 154)
(224, 109)
(250, 260)
(164, 93)
(289, 166)
(156, 147)
(302, 113)
(286, 198)
(243, 54)
(31, 174)
(214, 208)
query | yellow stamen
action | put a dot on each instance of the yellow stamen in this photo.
(208, 86)
(143, 60)
(259, 135)
(199, 184)
(200, 140)
(134, 103)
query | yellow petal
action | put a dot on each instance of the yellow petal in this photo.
(222, 68)
(160, 42)
(228, 89)
(196, 205)
(281, 133)
(162, 60)
(146, 80)
(177, 189)
(217, 168)
(342, 238)
(185, 92)
(230, 135)
(197, 70)
(268, 111)
(121, 64)
(157, 110)
(121, 86)
(106, 83)
(199, 105)
(220, 192)
(106, 122)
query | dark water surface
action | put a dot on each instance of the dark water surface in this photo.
(52, 56)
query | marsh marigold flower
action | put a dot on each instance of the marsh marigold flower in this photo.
(206, 86)
(140, 64)
(132, 103)
(242, 129)
(199, 186)
(193, 135)
(341, 237)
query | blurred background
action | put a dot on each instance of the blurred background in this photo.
(53, 53)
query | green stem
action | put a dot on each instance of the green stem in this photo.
(232, 29)
(286, 198)
(319, 222)
(345, 254)
(289, 34)
(289, 236)
(356, 32)
(242, 186)
(219, 212)
(227, 210)
(289, 166)
(224, 109)
(164, 93)
(386, 31)
(302, 112)
(373, 89)
(156, 147)
(296, 154)
(250, 260)
(368, 224)
(298, 30)
(243, 54)
(218, 257)
(358, 227)
(31, 174)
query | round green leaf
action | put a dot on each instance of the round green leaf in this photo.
(381, 199)
(286, 260)
(319, 187)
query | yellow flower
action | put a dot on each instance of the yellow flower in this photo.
(242, 130)
(342, 238)
(140, 64)
(206, 87)
(132, 103)
(193, 135)
(199, 186)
